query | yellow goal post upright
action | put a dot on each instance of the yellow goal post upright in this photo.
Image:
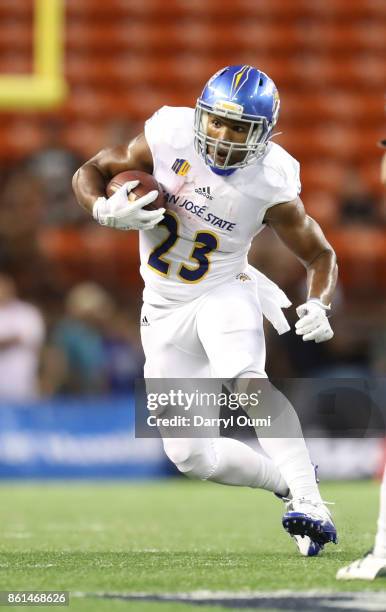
(46, 86)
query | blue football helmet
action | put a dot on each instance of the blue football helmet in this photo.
(240, 93)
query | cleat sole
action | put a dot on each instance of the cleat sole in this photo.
(309, 527)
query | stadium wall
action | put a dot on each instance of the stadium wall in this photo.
(76, 438)
(94, 439)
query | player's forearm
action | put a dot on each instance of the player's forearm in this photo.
(88, 185)
(90, 180)
(322, 274)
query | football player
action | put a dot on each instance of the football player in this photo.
(373, 564)
(225, 180)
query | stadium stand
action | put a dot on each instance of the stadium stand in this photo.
(126, 58)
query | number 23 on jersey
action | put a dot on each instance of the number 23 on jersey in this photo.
(204, 244)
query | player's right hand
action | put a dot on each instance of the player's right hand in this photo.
(120, 213)
(313, 323)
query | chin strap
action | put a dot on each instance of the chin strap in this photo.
(273, 135)
(222, 172)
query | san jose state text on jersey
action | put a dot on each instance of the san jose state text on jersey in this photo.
(200, 211)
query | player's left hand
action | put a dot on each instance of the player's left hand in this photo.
(313, 323)
(120, 213)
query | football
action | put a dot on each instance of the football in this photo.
(147, 183)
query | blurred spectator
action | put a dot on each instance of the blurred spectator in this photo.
(20, 217)
(123, 353)
(21, 337)
(20, 250)
(74, 360)
(94, 348)
(357, 204)
(53, 166)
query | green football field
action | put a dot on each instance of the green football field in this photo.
(176, 536)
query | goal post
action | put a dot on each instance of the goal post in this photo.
(46, 86)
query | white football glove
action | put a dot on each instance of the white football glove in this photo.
(313, 323)
(120, 213)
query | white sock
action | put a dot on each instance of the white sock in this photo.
(380, 538)
(238, 464)
(291, 456)
(286, 446)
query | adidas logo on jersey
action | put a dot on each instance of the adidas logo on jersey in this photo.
(144, 321)
(205, 191)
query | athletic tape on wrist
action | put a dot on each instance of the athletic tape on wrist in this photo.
(320, 303)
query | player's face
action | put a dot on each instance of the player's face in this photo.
(230, 130)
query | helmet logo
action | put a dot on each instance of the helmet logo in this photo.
(238, 80)
(232, 107)
(275, 106)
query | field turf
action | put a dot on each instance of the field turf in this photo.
(175, 536)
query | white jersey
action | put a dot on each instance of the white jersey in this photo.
(211, 219)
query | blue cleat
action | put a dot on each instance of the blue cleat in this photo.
(307, 546)
(310, 520)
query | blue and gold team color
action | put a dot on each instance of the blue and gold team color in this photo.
(198, 262)
(181, 167)
(240, 93)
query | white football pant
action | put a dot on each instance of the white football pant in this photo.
(220, 335)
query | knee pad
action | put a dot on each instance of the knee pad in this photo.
(194, 457)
